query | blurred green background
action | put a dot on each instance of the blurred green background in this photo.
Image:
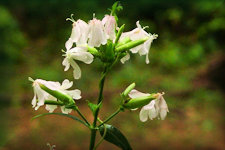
(186, 62)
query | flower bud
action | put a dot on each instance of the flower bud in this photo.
(139, 101)
(128, 89)
(130, 45)
(124, 41)
(57, 94)
(92, 50)
(120, 31)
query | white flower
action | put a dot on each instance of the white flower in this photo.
(156, 108)
(110, 25)
(135, 94)
(79, 33)
(40, 95)
(77, 53)
(96, 36)
(137, 34)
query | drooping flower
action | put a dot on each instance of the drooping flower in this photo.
(79, 33)
(40, 95)
(137, 34)
(110, 25)
(156, 108)
(96, 36)
(77, 53)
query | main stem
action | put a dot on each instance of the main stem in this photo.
(100, 98)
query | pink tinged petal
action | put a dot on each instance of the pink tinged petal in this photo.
(76, 33)
(109, 23)
(125, 58)
(135, 94)
(97, 35)
(69, 44)
(66, 84)
(66, 64)
(50, 108)
(65, 110)
(84, 30)
(143, 115)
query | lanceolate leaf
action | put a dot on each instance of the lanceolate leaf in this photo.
(61, 114)
(114, 136)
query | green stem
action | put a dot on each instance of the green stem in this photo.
(100, 98)
(111, 116)
(82, 116)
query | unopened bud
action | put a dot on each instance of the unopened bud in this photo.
(57, 94)
(130, 45)
(128, 89)
(139, 101)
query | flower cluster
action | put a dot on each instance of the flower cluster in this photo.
(97, 33)
(101, 39)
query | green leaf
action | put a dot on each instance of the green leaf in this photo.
(93, 107)
(114, 136)
(61, 114)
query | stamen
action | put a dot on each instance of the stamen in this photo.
(71, 18)
(145, 27)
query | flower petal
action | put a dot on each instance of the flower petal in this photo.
(65, 110)
(69, 44)
(125, 58)
(76, 71)
(75, 94)
(66, 84)
(66, 64)
(135, 94)
(143, 115)
(50, 108)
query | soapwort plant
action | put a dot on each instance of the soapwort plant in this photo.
(106, 41)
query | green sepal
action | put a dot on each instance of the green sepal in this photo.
(139, 101)
(93, 51)
(114, 136)
(124, 41)
(66, 99)
(109, 52)
(130, 45)
(51, 102)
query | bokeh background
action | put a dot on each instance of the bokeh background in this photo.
(186, 62)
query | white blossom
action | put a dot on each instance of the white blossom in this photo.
(156, 108)
(137, 34)
(77, 53)
(110, 25)
(40, 95)
(80, 32)
(96, 36)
